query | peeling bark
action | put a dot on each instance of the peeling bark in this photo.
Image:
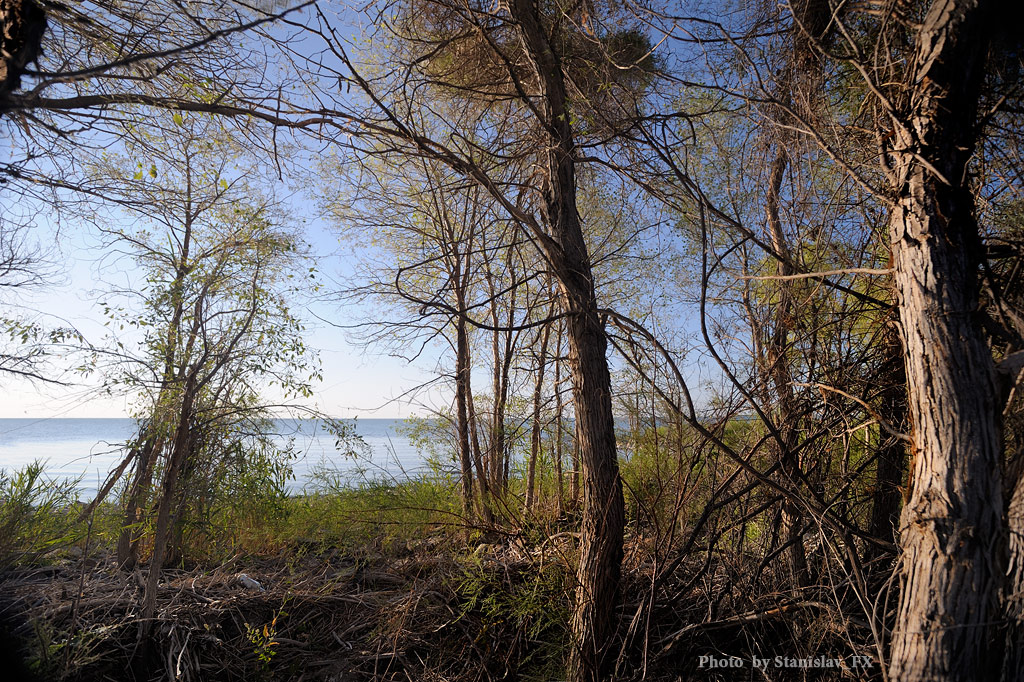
(951, 532)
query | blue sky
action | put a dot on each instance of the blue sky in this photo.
(357, 381)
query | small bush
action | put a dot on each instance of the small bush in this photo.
(521, 614)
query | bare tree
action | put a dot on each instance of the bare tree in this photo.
(437, 273)
(210, 320)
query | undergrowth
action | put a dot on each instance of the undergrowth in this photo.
(374, 577)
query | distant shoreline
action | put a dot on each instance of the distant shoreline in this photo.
(89, 448)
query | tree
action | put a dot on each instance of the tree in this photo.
(797, 84)
(922, 68)
(95, 68)
(22, 24)
(536, 427)
(31, 340)
(952, 530)
(527, 47)
(433, 237)
(593, 620)
(210, 322)
(69, 78)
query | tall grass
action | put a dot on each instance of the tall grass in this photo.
(37, 515)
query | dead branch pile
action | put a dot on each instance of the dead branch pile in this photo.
(324, 616)
(425, 611)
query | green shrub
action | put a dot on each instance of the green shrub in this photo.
(523, 614)
(37, 515)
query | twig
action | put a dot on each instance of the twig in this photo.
(882, 421)
(742, 619)
(823, 273)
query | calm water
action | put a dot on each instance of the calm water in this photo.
(90, 448)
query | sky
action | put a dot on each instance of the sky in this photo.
(357, 381)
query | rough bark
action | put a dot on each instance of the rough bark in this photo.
(463, 387)
(597, 593)
(22, 25)
(1013, 601)
(951, 529)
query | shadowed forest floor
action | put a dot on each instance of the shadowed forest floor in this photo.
(430, 607)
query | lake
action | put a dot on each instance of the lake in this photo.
(90, 448)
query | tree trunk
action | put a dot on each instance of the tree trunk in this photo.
(462, 389)
(137, 496)
(501, 356)
(128, 540)
(484, 498)
(538, 392)
(952, 529)
(892, 452)
(22, 25)
(559, 432)
(597, 593)
(505, 452)
(497, 428)
(778, 370)
(574, 473)
(1013, 601)
(175, 464)
(186, 498)
(799, 87)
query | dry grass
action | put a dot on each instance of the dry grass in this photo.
(329, 615)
